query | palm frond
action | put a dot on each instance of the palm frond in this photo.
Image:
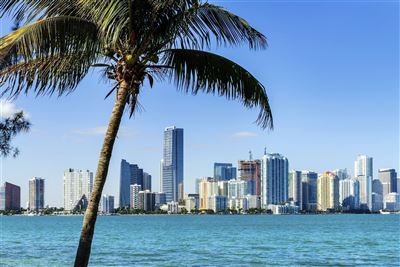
(50, 36)
(195, 71)
(55, 74)
(111, 16)
(191, 24)
(32, 9)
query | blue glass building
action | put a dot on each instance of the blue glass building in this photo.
(130, 174)
(224, 171)
(172, 166)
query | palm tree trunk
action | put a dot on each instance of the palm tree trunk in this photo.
(85, 242)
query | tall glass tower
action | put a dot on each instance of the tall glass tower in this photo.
(274, 179)
(124, 184)
(363, 171)
(130, 174)
(172, 164)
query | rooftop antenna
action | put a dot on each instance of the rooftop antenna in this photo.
(250, 155)
(265, 151)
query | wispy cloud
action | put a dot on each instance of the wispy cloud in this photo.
(7, 109)
(243, 134)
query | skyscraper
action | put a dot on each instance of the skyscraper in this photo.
(134, 196)
(363, 166)
(388, 178)
(341, 173)
(124, 184)
(130, 174)
(398, 185)
(161, 174)
(224, 171)
(147, 200)
(10, 197)
(237, 188)
(294, 185)
(349, 194)
(107, 205)
(77, 187)
(328, 191)
(250, 171)
(36, 193)
(146, 181)
(159, 200)
(363, 171)
(223, 188)
(197, 185)
(172, 166)
(309, 190)
(274, 179)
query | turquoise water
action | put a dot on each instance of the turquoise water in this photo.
(324, 240)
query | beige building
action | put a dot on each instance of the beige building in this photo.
(207, 187)
(327, 191)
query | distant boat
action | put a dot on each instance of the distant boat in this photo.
(384, 212)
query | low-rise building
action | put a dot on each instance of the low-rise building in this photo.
(253, 202)
(190, 204)
(284, 209)
(238, 204)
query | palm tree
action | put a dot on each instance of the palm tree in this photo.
(131, 41)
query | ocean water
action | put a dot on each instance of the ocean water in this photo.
(176, 240)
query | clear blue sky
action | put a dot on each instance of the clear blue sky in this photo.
(332, 73)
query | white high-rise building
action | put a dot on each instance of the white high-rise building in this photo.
(237, 188)
(274, 179)
(363, 166)
(77, 184)
(349, 194)
(134, 195)
(363, 172)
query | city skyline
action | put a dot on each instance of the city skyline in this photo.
(363, 169)
(289, 185)
(315, 77)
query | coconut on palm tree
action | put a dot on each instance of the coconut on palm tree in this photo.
(131, 41)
